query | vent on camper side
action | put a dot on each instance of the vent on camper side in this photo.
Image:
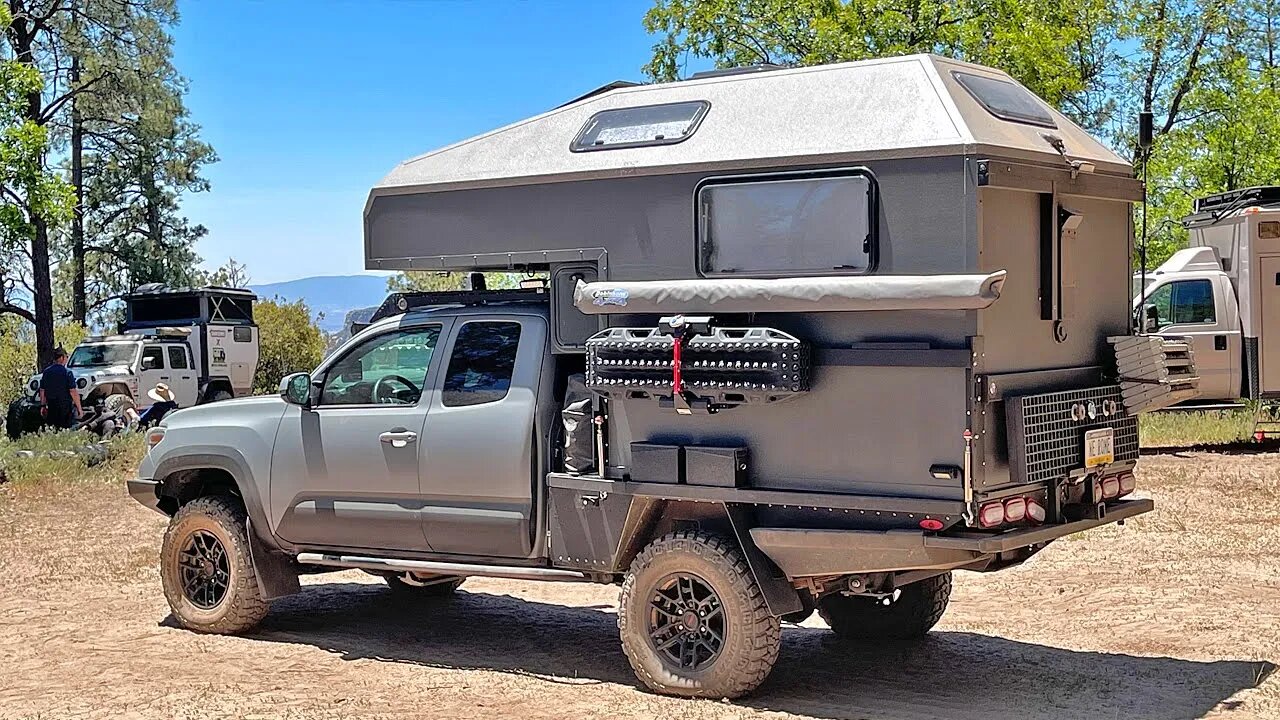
(1046, 440)
(1155, 371)
(728, 366)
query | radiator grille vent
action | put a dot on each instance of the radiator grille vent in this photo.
(1046, 442)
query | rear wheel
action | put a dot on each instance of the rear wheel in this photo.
(430, 588)
(217, 396)
(911, 614)
(206, 570)
(693, 620)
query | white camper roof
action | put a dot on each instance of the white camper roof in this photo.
(902, 107)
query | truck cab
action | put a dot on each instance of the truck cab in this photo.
(1223, 294)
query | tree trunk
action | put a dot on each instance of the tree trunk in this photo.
(79, 310)
(42, 289)
(22, 37)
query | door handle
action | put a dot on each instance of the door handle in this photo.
(164, 377)
(1219, 342)
(398, 438)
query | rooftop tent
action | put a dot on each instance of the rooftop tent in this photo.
(920, 106)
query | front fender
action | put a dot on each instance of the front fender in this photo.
(235, 464)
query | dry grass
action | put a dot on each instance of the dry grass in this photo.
(1174, 616)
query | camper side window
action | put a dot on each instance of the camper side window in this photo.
(787, 225)
(1185, 302)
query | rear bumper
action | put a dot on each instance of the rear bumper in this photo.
(805, 553)
(145, 491)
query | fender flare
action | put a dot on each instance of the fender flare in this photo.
(234, 464)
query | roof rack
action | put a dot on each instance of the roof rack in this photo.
(1261, 195)
(403, 302)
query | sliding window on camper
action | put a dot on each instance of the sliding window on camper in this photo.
(787, 224)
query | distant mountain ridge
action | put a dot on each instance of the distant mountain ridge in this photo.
(333, 296)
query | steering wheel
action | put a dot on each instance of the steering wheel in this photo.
(383, 393)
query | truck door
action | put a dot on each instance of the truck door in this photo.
(478, 452)
(182, 376)
(344, 472)
(1269, 297)
(152, 371)
(1191, 308)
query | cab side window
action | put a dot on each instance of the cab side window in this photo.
(1185, 302)
(152, 358)
(484, 358)
(178, 358)
(388, 369)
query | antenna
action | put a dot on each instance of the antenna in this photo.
(1145, 132)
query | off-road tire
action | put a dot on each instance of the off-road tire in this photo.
(242, 607)
(435, 590)
(13, 425)
(917, 609)
(752, 635)
(217, 396)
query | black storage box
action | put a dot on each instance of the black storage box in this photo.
(656, 463)
(719, 466)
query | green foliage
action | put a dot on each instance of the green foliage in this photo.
(290, 342)
(17, 353)
(1186, 429)
(53, 459)
(417, 281)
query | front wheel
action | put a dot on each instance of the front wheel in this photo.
(206, 570)
(914, 610)
(693, 620)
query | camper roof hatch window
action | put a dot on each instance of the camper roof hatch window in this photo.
(1006, 100)
(638, 126)
(787, 224)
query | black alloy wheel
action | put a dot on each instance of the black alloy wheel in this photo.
(204, 570)
(686, 622)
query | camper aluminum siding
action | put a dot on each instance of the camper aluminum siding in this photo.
(959, 190)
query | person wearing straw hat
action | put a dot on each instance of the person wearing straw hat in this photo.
(164, 403)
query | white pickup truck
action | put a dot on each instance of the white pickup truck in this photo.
(1222, 294)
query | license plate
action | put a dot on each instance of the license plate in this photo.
(1099, 447)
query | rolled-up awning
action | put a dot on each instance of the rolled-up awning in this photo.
(814, 294)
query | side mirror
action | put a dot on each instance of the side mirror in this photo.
(295, 389)
(150, 363)
(1150, 319)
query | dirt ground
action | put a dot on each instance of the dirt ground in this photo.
(1176, 615)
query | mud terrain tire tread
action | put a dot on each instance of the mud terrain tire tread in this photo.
(915, 612)
(243, 607)
(753, 635)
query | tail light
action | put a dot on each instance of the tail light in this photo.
(991, 514)
(1015, 509)
(1111, 487)
(1035, 512)
(1128, 483)
(931, 524)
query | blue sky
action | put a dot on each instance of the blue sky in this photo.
(308, 104)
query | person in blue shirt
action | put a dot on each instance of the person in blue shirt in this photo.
(59, 399)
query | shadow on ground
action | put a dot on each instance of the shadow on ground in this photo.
(955, 675)
(1238, 447)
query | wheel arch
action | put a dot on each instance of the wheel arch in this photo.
(655, 518)
(188, 477)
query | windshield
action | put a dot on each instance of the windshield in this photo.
(104, 354)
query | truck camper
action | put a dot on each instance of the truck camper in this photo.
(810, 339)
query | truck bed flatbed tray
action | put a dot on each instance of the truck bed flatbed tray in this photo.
(754, 496)
(1004, 542)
